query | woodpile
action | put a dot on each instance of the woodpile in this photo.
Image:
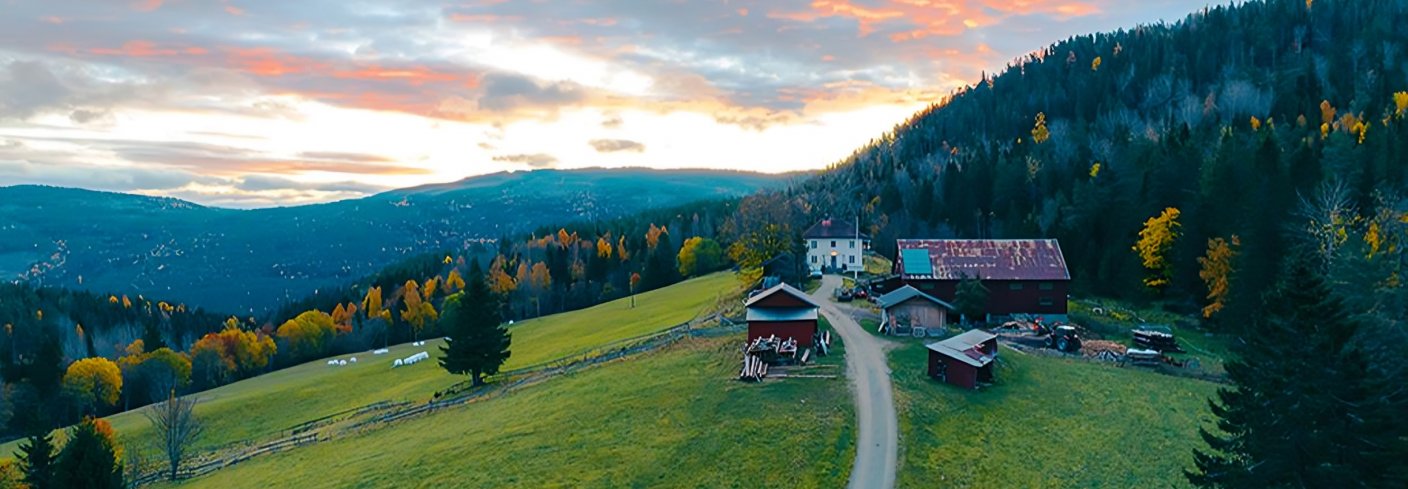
(754, 368)
(823, 343)
(1094, 348)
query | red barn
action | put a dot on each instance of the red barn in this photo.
(782, 311)
(964, 360)
(1023, 276)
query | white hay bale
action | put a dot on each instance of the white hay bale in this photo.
(353, 359)
(397, 363)
(342, 363)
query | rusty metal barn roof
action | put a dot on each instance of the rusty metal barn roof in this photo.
(986, 259)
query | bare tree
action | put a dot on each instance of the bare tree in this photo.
(176, 426)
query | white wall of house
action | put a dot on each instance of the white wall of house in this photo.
(837, 253)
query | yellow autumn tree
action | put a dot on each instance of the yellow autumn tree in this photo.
(1216, 272)
(373, 307)
(94, 382)
(454, 282)
(1400, 103)
(1256, 123)
(1155, 242)
(415, 310)
(1095, 64)
(1039, 132)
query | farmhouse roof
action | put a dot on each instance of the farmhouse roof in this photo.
(985, 259)
(906, 293)
(781, 288)
(965, 347)
(781, 314)
(832, 228)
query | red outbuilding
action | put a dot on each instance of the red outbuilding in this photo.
(1022, 276)
(964, 360)
(782, 311)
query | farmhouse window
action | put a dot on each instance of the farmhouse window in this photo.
(853, 244)
(813, 258)
(1014, 286)
(833, 243)
(851, 258)
(1046, 302)
(813, 244)
(1047, 286)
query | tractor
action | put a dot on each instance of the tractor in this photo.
(1064, 338)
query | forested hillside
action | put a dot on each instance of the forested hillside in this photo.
(1253, 130)
(248, 261)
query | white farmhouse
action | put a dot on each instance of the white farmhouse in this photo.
(835, 245)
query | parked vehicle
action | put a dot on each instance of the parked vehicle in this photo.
(1064, 338)
(844, 294)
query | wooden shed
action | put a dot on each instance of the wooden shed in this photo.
(782, 311)
(907, 308)
(964, 360)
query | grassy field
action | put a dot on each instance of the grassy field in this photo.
(264, 406)
(1048, 422)
(672, 418)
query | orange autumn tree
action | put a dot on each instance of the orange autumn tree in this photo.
(231, 353)
(1216, 272)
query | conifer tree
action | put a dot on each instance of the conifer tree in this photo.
(1305, 409)
(478, 344)
(89, 460)
(36, 458)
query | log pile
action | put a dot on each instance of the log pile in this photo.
(1094, 348)
(823, 343)
(754, 368)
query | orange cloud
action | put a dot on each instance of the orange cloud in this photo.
(233, 10)
(147, 5)
(919, 19)
(145, 49)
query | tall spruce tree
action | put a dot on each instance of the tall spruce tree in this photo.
(1304, 410)
(971, 298)
(36, 457)
(88, 460)
(478, 344)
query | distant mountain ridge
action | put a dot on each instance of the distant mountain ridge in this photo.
(249, 260)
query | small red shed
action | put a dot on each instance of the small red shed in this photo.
(964, 360)
(782, 311)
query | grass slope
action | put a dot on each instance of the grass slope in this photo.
(673, 418)
(264, 406)
(1048, 422)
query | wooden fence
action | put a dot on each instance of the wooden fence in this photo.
(387, 412)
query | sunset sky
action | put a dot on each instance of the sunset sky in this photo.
(252, 103)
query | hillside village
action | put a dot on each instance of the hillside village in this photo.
(1141, 258)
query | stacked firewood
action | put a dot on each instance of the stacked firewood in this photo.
(754, 368)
